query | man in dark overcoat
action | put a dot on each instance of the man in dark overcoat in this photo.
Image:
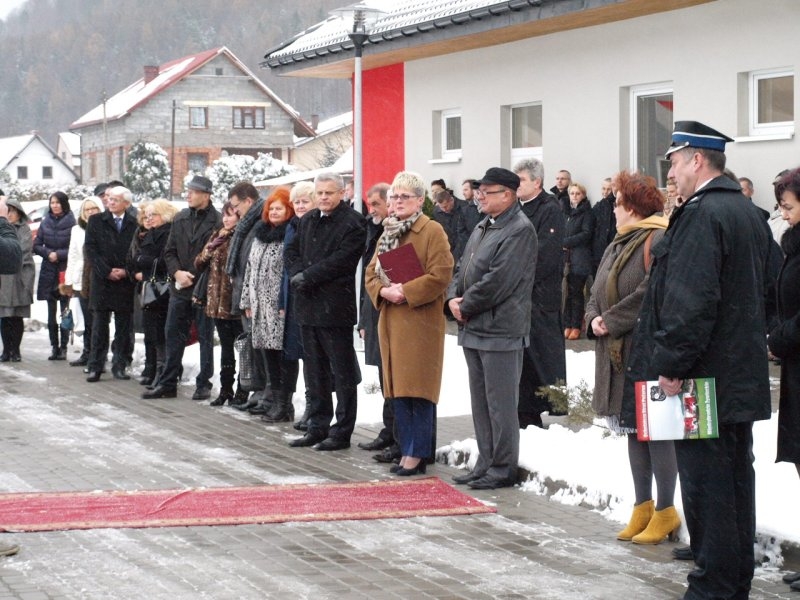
(322, 259)
(703, 316)
(108, 239)
(188, 235)
(378, 207)
(544, 362)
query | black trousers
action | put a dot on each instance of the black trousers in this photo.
(56, 306)
(123, 322)
(330, 357)
(227, 330)
(575, 301)
(718, 490)
(11, 329)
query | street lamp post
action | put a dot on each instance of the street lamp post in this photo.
(362, 18)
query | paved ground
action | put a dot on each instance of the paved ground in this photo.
(60, 434)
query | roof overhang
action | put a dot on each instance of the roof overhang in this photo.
(496, 23)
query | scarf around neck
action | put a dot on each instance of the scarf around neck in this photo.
(393, 230)
(630, 237)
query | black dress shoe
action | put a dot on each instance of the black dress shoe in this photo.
(201, 393)
(418, 470)
(682, 553)
(146, 380)
(160, 391)
(389, 455)
(377, 444)
(309, 439)
(247, 405)
(79, 362)
(465, 478)
(258, 409)
(15, 357)
(88, 370)
(490, 483)
(93, 376)
(789, 578)
(119, 373)
(5, 357)
(329, 444)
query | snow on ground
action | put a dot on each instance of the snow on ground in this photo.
(585, 466)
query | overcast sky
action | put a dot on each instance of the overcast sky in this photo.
(6, 6)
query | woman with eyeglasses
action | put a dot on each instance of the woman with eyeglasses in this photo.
(146, 262)
(78, 276)
(411, 323)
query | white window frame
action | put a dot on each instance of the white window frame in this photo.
(757, 129)
(197, 110)
(451, 153)
(518, 154)
(653, 89)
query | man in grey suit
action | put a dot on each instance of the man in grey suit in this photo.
(490, 297)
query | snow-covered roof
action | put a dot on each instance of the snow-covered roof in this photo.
(397, 15)
(410, 29)
(11, 147)
(328, 126)
(123, 103)
(72, 141)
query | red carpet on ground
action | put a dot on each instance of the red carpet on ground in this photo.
(49, 511)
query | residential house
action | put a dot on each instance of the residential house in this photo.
(29, 159)
(452, 87)
(333, 138)
(196, 108)
(69, 150)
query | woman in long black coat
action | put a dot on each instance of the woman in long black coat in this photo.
(578, 257)
(784, 339)
(52, 244)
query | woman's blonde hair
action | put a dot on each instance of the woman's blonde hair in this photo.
(163, 207)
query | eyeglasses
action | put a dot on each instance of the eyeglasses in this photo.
(489, 192)
(403, 197)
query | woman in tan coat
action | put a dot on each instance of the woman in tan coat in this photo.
(411, 324)
(611, 315)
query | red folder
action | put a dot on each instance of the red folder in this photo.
(401, 265)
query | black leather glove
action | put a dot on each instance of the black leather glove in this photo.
(298, 282)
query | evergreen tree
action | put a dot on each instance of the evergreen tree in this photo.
(147, 171)
(227, 171)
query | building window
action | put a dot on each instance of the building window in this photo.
(198, 117)
(651, 130)
(248, 117)
(47, 172)
(218, 71)
(771, 102)
(197, 161)
(526, 132)
(451, 134)
(22, 172)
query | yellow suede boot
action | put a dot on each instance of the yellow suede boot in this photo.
(642, 513)
(664, 523)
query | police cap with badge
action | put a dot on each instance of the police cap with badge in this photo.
(692, 134)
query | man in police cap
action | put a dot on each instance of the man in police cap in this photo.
(490, 297)
(703, 316)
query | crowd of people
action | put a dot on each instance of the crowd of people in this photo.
(671, 285)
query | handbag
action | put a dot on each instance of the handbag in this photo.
(67, 322)
(154, 291)
(250, 380)
(200, 292)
